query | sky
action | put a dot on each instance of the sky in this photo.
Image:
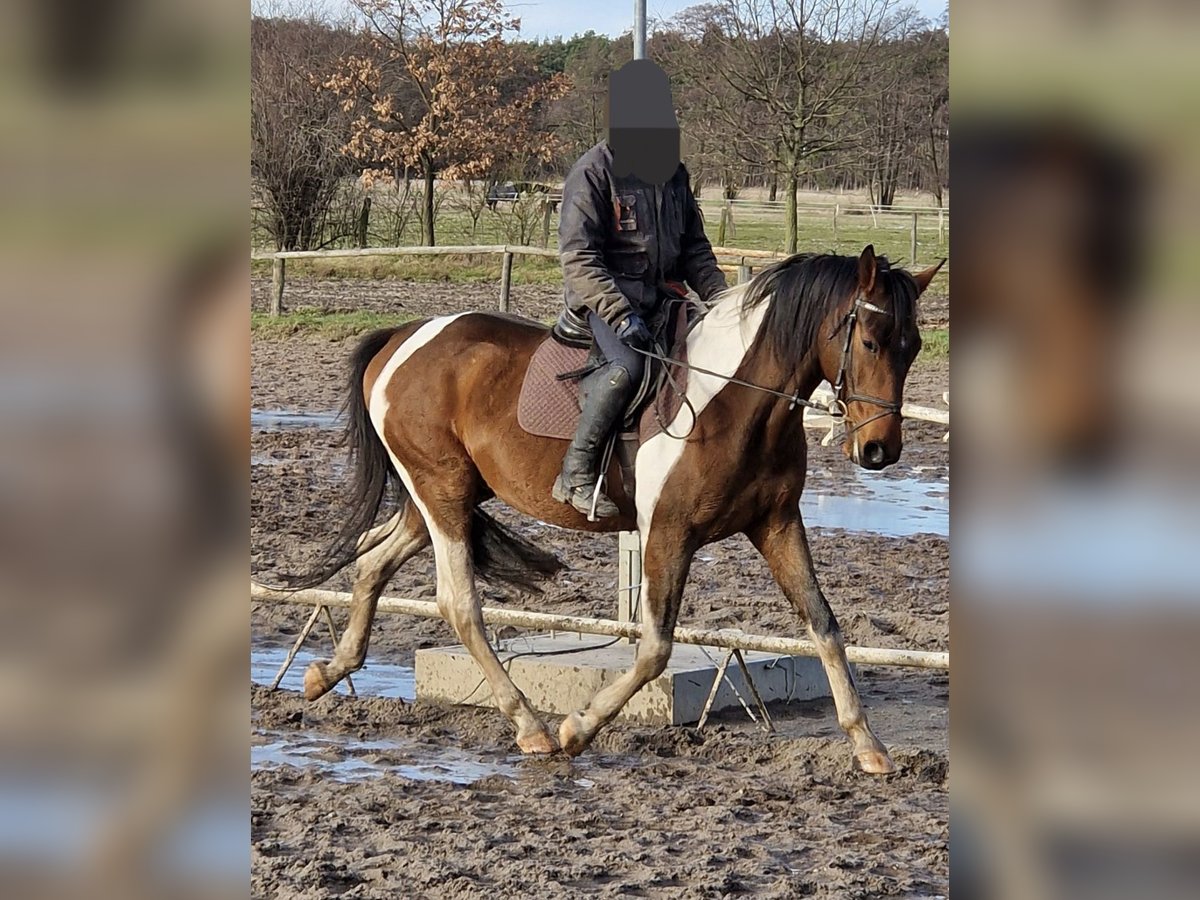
(548, 18)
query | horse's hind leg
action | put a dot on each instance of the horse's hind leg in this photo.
(399, 539)
(458, 600)
(783, 544)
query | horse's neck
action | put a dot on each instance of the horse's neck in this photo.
(723, 342)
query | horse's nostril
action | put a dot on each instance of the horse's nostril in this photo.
(874, 453)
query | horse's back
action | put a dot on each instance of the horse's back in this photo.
(470, 351)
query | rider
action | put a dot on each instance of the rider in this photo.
(629, 226)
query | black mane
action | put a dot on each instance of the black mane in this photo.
(803, 290)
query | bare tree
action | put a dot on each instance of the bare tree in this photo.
(793, 69)
(297, 130)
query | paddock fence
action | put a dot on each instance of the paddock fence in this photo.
(730, 259)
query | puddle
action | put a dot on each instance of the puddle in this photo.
(278, 419)
(893, 507)
(374, 679)
(347, 759)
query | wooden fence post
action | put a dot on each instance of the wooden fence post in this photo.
(505, 280)
(629, 577)
(364, 219)
(837, 208)
(912, 258)
(546, 223)
(743, 273)
(277, 274)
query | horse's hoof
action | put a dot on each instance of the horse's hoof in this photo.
(572, 735)
(875, 762)
(539, 742)
(316, 681)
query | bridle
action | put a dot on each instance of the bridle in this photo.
(837, 407)
(841, 398)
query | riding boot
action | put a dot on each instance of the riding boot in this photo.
(603, 406)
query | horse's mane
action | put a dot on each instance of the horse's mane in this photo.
(803, 290)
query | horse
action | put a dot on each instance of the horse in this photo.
(432, 423)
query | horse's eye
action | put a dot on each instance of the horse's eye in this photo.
(870, 345)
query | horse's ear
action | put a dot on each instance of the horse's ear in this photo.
(867, 269)
(924, 277)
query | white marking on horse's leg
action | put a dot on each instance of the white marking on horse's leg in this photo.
(579, 729)
(398, 539)
(784, 545)
(872, 756)
(458, 601)
(405, 538)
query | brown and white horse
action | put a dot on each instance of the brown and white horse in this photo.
(433, 416)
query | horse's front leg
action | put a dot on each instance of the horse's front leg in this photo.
(665, 562)
(783, 544)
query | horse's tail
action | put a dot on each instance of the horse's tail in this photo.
(374, 477)
(500, 555)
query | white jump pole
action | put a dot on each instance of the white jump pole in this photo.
(727, 638)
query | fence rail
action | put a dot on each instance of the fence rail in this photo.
(729, 639)
(743, 261)
(730, 259)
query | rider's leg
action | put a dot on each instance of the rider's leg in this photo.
(605, 396)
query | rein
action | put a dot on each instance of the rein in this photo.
(836, 408)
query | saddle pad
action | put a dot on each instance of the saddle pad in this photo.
(550, 408)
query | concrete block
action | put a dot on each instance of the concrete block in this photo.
(567, 680)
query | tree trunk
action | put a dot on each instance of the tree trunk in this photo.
(428, 237)
(793, 185)
(364, 218)
(774, 188)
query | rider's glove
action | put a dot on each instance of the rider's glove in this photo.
(633, 331)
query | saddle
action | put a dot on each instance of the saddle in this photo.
(549, 402)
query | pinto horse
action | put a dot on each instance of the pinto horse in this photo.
(433, 418)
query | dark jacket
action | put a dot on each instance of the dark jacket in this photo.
(620, 240)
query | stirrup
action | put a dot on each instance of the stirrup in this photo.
(587, 500)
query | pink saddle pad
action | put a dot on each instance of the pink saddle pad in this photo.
(549, 407)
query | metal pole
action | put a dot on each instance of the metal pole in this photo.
(639, 29)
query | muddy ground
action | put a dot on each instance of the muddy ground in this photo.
(649, 811)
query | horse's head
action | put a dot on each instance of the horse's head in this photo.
(866, 346)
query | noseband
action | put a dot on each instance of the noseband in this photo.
(838, 407)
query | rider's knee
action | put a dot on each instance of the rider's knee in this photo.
(620, 378)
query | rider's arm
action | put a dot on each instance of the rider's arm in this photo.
(586, 218)
(696, 261)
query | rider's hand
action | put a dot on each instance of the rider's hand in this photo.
(633, 331)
